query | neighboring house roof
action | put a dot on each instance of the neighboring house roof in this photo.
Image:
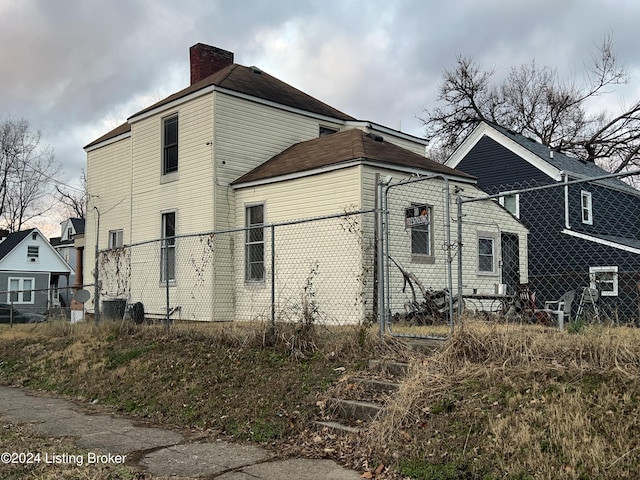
(78, 224)
(540, 156)
(341, 149)
(78, 228)
(249, 81)
(12, 241)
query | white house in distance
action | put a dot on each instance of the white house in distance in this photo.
(29, 271)
(238, 148)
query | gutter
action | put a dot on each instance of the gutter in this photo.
(565, 179)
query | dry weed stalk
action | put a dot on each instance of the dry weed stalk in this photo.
(538, 400)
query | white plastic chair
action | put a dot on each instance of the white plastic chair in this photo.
(561, 308)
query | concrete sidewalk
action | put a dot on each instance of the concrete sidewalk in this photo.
(158, 451)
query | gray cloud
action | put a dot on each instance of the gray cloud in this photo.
(76, 68)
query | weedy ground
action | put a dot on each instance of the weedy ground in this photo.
(498, 401)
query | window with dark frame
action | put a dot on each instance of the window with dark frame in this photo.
(168, 250)
(170, 145)
(254, 243)
(33, 252)
(324, 131)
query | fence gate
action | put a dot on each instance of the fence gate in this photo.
(415, 253)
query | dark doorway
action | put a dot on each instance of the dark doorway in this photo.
(510, 261)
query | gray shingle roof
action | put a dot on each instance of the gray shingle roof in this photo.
(572, 166)
(12, 241)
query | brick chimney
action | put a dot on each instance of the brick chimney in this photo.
(207, 60)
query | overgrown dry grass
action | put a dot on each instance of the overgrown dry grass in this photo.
(506, 401)
(238, 379)
(499, 401)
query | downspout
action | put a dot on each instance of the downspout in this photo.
(460, 300)
(565, 178)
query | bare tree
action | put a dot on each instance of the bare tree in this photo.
(535, 102)
(74, 200)
(26, 172)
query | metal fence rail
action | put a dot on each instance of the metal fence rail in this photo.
(582, 234)
(432, 249)
(316, 270)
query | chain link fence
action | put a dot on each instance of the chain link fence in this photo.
(444, 246)
(317, 270)
(510, 253)
(583, 247)
(422, 247)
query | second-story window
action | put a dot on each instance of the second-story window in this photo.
(170, 144)
(586, 207)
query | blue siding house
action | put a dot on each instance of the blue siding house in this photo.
(580, 234)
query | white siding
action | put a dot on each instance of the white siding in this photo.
(485, 217)
(324, 256)
(48, 260)
(109, 188)
(246, 135)
(190, 195)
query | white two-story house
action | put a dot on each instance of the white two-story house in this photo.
(236, 147)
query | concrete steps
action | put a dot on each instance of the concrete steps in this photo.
(366, 398)
(361, 399)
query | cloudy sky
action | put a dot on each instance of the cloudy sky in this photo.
(77, 68)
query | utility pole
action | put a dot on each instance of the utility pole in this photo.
(96, 279)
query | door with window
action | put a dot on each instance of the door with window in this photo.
(510, 260)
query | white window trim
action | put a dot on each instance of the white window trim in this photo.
(517, 195)
(593, 272)
(494, 253)
(32, 258)
(248, 280)
(172, 175)
(423, 257)
(586, 207)
(172, 281)
(20, 299)
(119, 235)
